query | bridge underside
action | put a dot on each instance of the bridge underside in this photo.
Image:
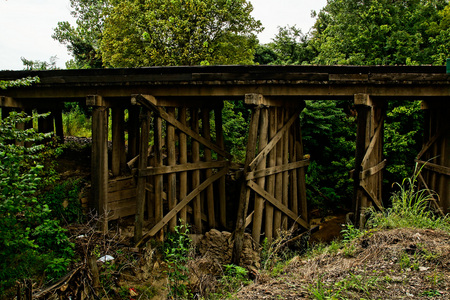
(178, 111)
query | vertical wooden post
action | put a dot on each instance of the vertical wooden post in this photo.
(301, 174)
(220, 142)
(294, 182)
(245, 192)
(259, 201)
(158, 204)
(183, 160)
(278, 176)
(271, 178)
(171, 161)
(196, 174)
(99, 157)
(57, 114)
(285, 141)
(118, 140)
(133, 131)
(209, 190)
(141, 181)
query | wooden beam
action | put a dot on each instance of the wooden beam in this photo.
(99, 163)
(171, 161)
(277, 169)
(222, 181)
(150, 171)
(182, 113)
(142, 181)
(263, 153)
(374, 198)
(149, 103)
(277, 204)
(373, 141)
(434, 167)
(206, 128)
(372, 171)
(244, 194)
(180, 205)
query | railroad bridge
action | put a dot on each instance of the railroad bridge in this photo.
(178, 111)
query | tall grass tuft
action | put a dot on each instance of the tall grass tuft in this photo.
(411, 207)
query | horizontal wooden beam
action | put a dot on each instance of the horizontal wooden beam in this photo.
(150, 171)
(434, 167)
(372, 171)
(277, 169)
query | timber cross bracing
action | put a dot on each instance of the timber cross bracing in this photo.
(167, 104)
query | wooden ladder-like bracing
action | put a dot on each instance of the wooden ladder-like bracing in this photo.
(273, 184)
(177, 176)
(369, 161)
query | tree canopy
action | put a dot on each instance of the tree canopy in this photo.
(179, 32)
(380, 32)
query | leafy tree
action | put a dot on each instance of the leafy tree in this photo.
(376, 32)
(83, 41)
(289, 47)
(179, 32)
(40, 65)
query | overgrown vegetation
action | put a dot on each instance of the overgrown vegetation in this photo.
(32, 240)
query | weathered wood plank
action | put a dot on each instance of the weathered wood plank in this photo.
(222, 187)
(151, 171)
(158, 179)
(270, 184)
(373, 170)
(373, 197)
(434, 167)
(206, 127)
(171, 161)
(259, 201)
(244, 194)
(141, 183)
(196, 173)
(277, 169)
(182, 113)
(279, 176)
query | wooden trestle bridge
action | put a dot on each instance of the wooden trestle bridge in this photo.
(178, 109)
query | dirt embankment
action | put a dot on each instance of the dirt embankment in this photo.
(389, 264)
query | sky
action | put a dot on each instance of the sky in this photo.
(26, 26)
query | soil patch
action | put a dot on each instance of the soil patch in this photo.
(389, 264)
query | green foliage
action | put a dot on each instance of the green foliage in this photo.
(31, 241)
(410, 208)
(83, 41)
(289, 47)
(233, 279)
(329, 134)
(76, 121)
(175, 32)
(176, 253)
(235, 129)
(64, 201)
(378, 32)
(402, 138)
(4, 84)
(39, 65)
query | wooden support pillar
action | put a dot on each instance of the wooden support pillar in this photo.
(158, 179)
(368, 157)
(197, 208)
(259, 201)
(142, 181)
(99, 159)
(222, 188)
(244, 191)
(208, 157)
(133, 132)
(118, 141)
(171, 161)
(59, 129)
(183, 159)
(271, 179)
